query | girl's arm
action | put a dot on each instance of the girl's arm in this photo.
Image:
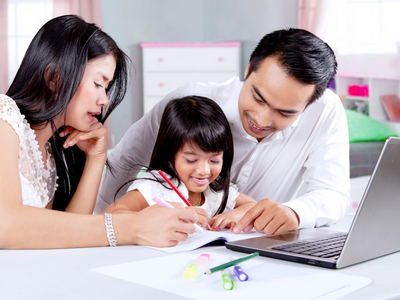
(26, 227)
(132, 201)
(230, 218)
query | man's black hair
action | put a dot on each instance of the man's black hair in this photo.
(301, 54)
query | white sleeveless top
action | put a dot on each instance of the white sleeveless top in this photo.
(38, 184)
(150, 188)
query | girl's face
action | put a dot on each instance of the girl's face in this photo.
(91, 96)
(197, 169)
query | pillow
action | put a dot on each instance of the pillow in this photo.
(364, 129)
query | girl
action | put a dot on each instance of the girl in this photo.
(53, 147)
(194, 147)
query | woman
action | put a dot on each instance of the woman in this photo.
(53, 146)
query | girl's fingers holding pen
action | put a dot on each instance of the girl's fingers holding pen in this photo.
(202, 221)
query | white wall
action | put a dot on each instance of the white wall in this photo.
(131, 22)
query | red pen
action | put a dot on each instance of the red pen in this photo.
(177, 191)
(174, 188)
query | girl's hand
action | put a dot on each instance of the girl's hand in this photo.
(93, 142)
(202, 214)
(225, 220)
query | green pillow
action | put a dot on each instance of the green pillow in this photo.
(364, 129)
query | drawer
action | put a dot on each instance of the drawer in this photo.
(191, 58)
(161, 83)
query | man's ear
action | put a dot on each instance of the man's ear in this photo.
(246, 71)
(52, 77)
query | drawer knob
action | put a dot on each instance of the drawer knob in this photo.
(161, 85)
(160, 59)
(220, 59)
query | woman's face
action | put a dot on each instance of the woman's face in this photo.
(91, 95)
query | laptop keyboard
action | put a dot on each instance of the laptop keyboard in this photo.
(327, 248)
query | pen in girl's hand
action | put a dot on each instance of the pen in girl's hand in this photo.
(176, 190)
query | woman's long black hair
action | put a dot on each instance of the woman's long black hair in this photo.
(49, 76)
(200, 122)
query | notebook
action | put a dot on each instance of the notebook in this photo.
(373, 233)
(207, 237)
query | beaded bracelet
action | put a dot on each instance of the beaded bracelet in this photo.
(110, 230)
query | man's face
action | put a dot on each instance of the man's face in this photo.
(270, 100)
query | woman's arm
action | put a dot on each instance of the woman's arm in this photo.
(230, 218)
(94, 144)
(26, 227)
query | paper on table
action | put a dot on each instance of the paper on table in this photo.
(197, 240)
(266, 278)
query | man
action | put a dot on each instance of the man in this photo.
(288, 130)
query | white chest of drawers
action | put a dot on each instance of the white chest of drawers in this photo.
(169, 66)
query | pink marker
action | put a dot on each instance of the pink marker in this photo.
(163, 203)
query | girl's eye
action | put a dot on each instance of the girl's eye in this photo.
(190, 161)
(98, 85)
(216, 162)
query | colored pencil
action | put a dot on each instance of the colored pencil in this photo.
(177, 191)
(230, 264)
(174, 188)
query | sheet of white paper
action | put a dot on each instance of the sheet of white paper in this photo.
(266, 279)
(197, 240)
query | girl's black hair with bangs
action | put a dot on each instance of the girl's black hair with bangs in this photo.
(49, 76)
(200, 122)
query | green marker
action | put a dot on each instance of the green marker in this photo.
(231, 263)
(227, 282)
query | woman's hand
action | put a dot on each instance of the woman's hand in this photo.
(155, 226)
(202, 214)
(93, 142)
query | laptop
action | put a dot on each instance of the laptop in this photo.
(373, 233)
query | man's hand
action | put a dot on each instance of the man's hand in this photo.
(270, 217)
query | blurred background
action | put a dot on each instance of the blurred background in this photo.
(171, 42)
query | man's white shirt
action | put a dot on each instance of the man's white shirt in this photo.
(313, 152)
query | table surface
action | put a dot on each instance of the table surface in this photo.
(64, 274)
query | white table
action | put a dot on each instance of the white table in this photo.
(64, 274)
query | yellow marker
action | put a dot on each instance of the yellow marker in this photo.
(196, 267)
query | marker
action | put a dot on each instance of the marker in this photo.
(227, 282)
(196, 267)
(176, 190)
(163, 203)
(240, 274)
(230, 264)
